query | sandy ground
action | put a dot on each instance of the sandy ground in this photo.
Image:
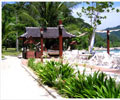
(16, 83)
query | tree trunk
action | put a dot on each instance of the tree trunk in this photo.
(17, 44)
(93, 35)
(92, 41)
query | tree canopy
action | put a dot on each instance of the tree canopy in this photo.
(17, 16)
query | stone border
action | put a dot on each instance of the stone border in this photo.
(51, 91)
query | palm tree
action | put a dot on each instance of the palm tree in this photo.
(42, 13)
(46, 13)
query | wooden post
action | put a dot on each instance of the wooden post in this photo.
(23, 52)
(108, 42)
(41, 33)
(60, 39)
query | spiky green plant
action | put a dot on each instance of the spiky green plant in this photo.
(49, 73)
(65, 72)
(97, 85)
(76, 85)
(31, 63)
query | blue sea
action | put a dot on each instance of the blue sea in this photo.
(111, 51)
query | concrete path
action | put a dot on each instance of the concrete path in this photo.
(16, 83)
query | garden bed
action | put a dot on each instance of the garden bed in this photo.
(71, 84)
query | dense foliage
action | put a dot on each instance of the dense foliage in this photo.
(17, 16)
(75, 85)
(51, 72)
(102, 42)
(78, 27)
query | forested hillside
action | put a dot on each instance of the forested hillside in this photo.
(114, 37)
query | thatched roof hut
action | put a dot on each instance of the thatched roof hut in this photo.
(48, 33)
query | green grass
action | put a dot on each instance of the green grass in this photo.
(10, 52)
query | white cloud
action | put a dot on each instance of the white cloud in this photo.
(112, 20)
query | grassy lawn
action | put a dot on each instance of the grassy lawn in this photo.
(10, 52)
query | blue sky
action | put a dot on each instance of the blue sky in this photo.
(112, 20)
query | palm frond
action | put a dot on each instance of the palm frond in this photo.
(29, 19)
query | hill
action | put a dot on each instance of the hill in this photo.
(113, 28)
(114, 31)
(114, 37)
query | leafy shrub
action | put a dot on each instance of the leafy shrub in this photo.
(52, 73)
(3, 56)
(65, 71)
(75, 85)
(48, 73)
(96, 86)
(38, 66)
(31, 63)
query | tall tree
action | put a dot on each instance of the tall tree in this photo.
(47, 13)
(10, 22)
(19, 6)
(93, 12)
(42, 13)
(7, 22)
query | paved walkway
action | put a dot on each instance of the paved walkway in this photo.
(16, 83)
